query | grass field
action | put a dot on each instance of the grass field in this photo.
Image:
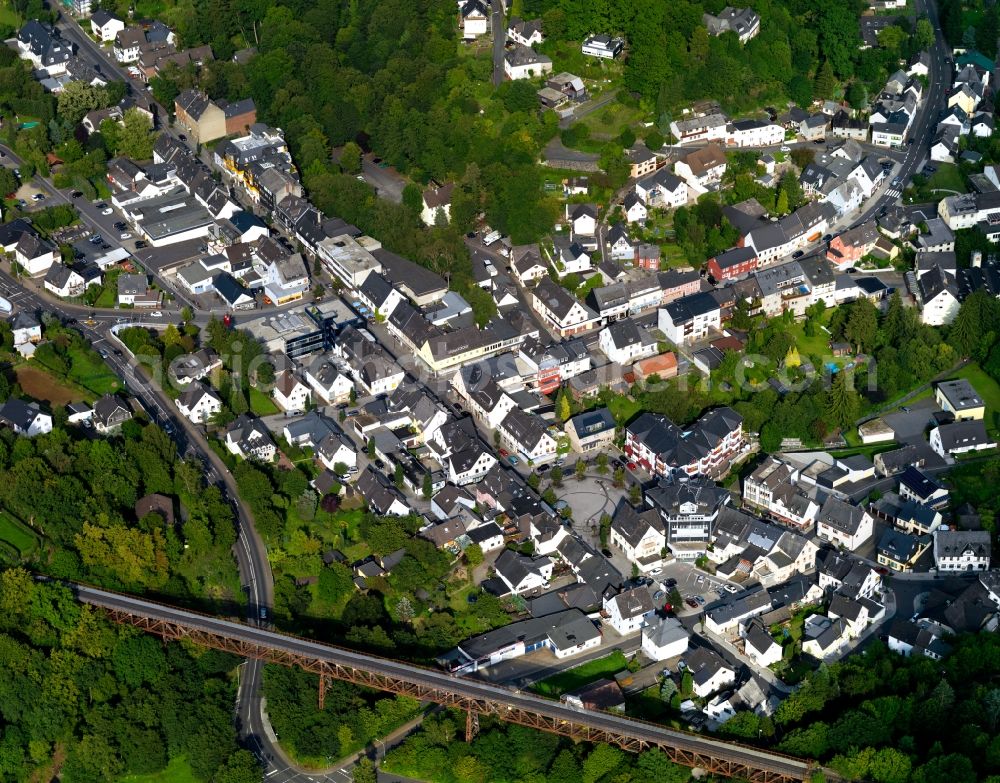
(88, 370)
(983, 383)
(8, 16)
(177, 771)
(17, 534)
(40, 385)
(569, 680)
(260, 403)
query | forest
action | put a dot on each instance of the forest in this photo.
(79, 495)
(87, 701)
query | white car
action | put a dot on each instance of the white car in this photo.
(785, 148)
(730, 589)
(126, 235)
(156, 314)
(107, 211)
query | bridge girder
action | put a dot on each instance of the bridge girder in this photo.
(578, 731)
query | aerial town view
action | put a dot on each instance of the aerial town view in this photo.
(499, 391)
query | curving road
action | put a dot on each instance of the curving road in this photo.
(488, 698)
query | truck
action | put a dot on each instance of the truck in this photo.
(491, 237)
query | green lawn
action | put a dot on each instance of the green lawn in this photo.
(623, 408)
(17, 534)
(177, 771)
(947, 177)
(88, 370)
(611, 119)
(571, 679)
(261, 404)
(816, 345)
(8, 16)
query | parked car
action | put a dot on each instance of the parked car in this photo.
(699, 599)
(105, 209)
(76, 194)
(671, 582)
(504, 453)
(140, 244)
(126, 235)
(156, 314)
(120, 225)
(730, 588)
(38, 197)
(512, 459)
(691, 602)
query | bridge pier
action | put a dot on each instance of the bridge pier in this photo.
(322, 689)
(471, 725)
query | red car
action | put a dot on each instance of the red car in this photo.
(504, 453)
(631, 466)
(691, 602)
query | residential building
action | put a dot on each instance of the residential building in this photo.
(962, 550)
(938, 295)
(105, 26)
(526, 32)
(759, 646)
(640, 535)
(773, 488)
(292, 394)
(43, 46)
(707, 447)
(732, 264)
(436, 204)
(960, 398)
(25, 418)
(199, 403)
(702, 168)
(34, 254)
(743, 21)
(754, 133)
(690, 318)
(521, 573)
(523, 62)
(709, 127)
(527, 435)
(960, 437)
(917, 486)
(709, 672)
(110, 412)
(662, 189)
(844, 524)
(603, 46)
(247, 437)
(624, 342)
(561, 310)
(591, 431)
(629, 611)
(207, 120)
(900, 551)
(474, 18)
(664, 639)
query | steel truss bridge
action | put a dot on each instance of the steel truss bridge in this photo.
(471, 696)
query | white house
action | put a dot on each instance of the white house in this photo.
(603, 46)
(754, 133)
(25, 418)
(63, 281)
(436, 204)
(962, 550)
(641, 537)
(582, 218)
(521, 573)
(475, 18)
(634, 209)
(662, 189)
(824, 640)
(622, 342)
(664, 639)
(843, 524)
(709, 672)
(337, 449)
(690, 318)
(329, 382)
(629, 611)
(248, 438)
(573, 259)
(199, 402)
(523, 62)
(105, 26)
(938, 294)
(960, 437)
(290, 393)
(758, 645)
(526, 32)
(33, 254)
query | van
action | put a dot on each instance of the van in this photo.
(290, 414)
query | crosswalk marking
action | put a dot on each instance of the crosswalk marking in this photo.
(894, 193)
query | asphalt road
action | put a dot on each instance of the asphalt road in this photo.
(499, 26)
(922, 131)
(491, 697)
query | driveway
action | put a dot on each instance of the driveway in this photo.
(909, 425)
